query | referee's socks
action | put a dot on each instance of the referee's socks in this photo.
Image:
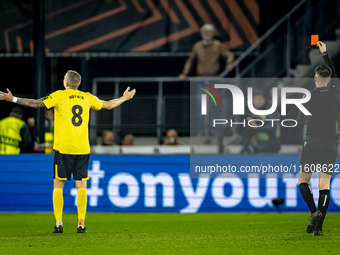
(324, 198)
(307, 196)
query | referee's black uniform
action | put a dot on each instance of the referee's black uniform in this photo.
(321, 144)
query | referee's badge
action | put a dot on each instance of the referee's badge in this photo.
(304, 143)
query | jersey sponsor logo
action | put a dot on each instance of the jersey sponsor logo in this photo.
(76, 96)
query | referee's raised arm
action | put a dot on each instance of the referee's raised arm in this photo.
(333, 82)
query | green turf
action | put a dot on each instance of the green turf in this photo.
(168, 234)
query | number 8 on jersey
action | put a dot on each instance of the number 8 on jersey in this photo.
(77, 110)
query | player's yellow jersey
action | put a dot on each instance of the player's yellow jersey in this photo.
(71, 119)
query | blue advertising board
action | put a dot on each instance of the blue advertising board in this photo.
(153, 184)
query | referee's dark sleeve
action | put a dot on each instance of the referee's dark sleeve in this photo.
(301, 118)
(26, 138)
(334, 81)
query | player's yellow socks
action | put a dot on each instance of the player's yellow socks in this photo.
(81, 203)
(58, 203)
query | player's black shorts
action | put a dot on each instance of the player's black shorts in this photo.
(319, 155)
(65, 164)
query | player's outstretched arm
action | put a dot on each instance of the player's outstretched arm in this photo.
(108, 105)
(34, 103)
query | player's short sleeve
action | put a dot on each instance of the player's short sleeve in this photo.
(96, 104)
(52, 100)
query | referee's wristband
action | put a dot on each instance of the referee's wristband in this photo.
(15, 99)
(325, 53)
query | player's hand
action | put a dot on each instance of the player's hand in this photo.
(6, 96)
(322, 46)
(182, 77)
(129, 94)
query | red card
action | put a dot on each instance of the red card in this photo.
(314, 39)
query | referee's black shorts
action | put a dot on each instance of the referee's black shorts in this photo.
(64, 165)
(319, 154)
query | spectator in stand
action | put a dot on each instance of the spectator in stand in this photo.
(49, 129)
(257, 138)
(107, 138)
(207, 53)
(128, 140)
(15, 136)
(171, 137)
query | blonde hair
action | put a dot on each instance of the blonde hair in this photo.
(207, 27)
(73, 79)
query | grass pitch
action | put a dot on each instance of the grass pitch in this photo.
(168, 234)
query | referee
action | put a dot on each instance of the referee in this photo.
(320, 146)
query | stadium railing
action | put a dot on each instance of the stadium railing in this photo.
(156, 113)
